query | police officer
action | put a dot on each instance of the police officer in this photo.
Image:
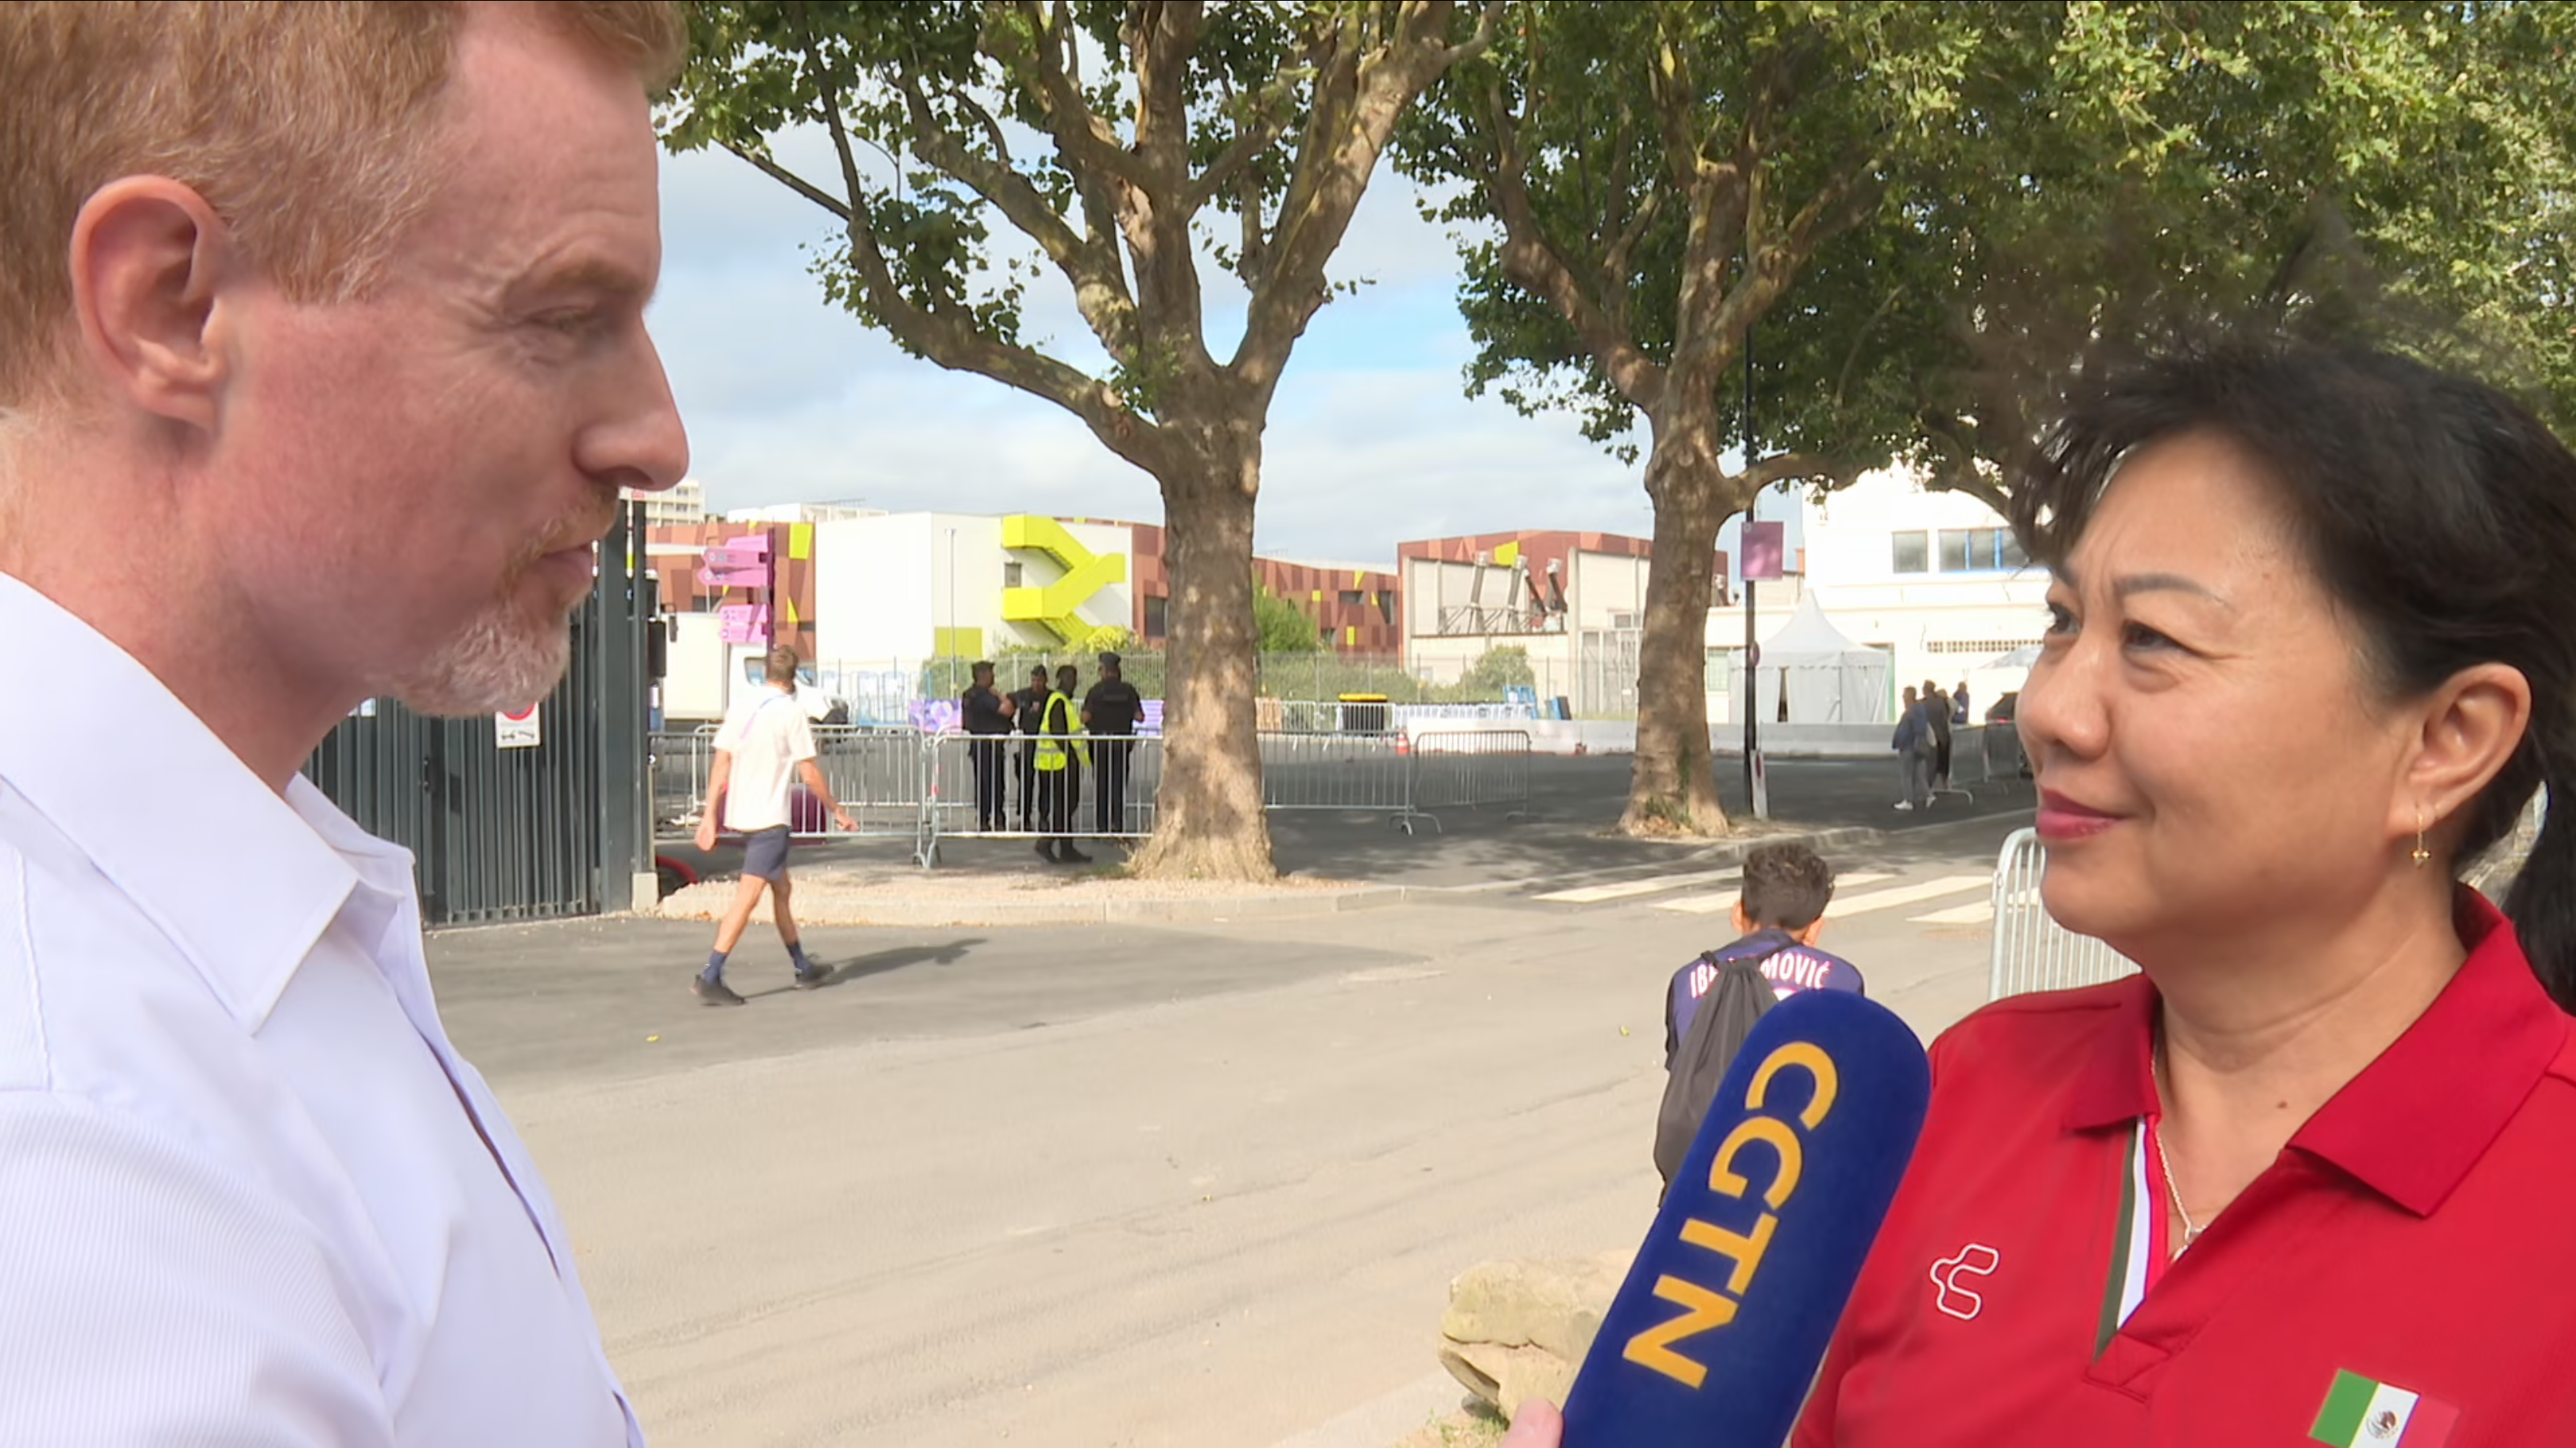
(1109, 715)
(1059, 766)
(987, 720)
(1031, 706)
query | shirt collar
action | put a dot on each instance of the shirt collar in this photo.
(241, 880)
(2414, 1122)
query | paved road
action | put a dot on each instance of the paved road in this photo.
(1199, 1187)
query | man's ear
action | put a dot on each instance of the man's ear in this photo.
(1743, 922)
(1815, 928)
(148, 258)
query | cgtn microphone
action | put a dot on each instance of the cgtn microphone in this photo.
(1716, 1334)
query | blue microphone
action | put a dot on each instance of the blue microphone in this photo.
(1715, 1336)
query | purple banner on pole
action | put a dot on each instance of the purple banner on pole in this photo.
(1765, 549)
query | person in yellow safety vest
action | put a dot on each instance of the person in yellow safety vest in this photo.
(1060, 761)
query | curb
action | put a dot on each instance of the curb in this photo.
(1222, 908)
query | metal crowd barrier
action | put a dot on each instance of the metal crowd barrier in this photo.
(1367, 772)
(2032, 951)
(874, 772)
(1471, 769)
(950, 810)
(902, 783)
(1998, 749)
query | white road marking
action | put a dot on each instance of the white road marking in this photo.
(1621, 890)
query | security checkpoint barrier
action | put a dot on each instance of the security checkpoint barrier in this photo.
(949, 807)
(902, 783)
(875, 774)
(1471, 769)
(2032, 951)
(1352, 772)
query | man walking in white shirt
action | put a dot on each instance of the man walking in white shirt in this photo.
(762, 748)
(322, 361)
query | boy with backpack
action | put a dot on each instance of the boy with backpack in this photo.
(1713, 1002)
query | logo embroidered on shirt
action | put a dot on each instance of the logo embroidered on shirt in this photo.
(1974, 1260)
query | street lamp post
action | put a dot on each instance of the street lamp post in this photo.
(1752, 656)
(952, 613)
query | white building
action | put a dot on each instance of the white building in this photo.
(802, 513)
(1935, 577)
(679, 505)
(892, 590)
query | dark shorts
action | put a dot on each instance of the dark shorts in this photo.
(764, 853)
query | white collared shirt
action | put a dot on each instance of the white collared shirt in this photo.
(242, 1199)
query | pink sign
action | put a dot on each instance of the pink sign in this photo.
(755, 576)
(743, 623)
(1765, 545)
(733, 558)
(750, 545)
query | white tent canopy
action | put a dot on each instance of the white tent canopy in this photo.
(1828, 678)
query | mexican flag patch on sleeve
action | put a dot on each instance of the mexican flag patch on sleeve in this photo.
(2363, 1412)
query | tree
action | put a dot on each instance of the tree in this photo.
(1504, 666)
(1939, 212)
(1283, 627)
(1112, 171)
(1660, 174)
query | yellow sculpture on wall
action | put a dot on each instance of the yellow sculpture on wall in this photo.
(1056, 607)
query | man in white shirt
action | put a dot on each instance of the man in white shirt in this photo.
(764, 745)
(322, 361)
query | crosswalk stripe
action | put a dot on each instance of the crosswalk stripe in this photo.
(1724, 900)
(1862, 904)
(1977, 914)
(1621, 890)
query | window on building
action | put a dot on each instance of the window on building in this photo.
(2008, 552)
(1386, 605)
(1011, 575)
(1158, 613)
(1353, 598)
(1956, 546)
(1909, 553)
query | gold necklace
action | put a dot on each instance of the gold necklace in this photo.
(2190, 1231)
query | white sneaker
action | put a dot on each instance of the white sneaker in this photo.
(1905, 804)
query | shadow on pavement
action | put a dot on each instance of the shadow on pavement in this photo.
(882, 962)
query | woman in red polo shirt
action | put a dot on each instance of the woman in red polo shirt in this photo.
(2313, 643)
(2308, 1178)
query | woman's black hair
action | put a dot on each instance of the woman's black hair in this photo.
(2439, 512)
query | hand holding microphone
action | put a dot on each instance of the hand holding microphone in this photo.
(1715, 1337)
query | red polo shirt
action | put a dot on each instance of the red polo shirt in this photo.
(2419, 1232)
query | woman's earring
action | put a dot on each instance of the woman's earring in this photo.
(2422, 855)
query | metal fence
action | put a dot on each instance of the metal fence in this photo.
(2032, 951)
(1105, 791)
(1472, 769)
(905, 784)
(1360, 772)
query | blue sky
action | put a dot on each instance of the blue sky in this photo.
(1371, 438)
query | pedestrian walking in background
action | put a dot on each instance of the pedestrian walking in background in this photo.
(763, 747)
(1913, 746)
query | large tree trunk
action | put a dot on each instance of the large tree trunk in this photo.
(1672, 785)
(1209, 823)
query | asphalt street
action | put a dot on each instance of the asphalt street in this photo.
(1196, 1185)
